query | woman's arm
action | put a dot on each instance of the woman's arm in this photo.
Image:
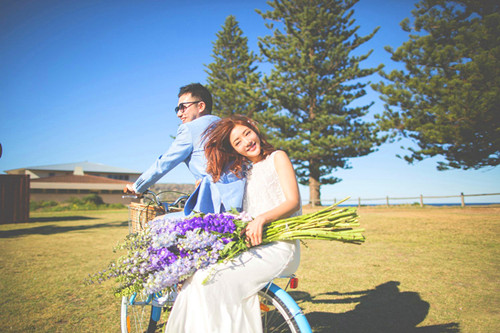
(288, 182)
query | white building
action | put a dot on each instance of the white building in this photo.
(59, 182)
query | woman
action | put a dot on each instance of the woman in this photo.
(227, 301)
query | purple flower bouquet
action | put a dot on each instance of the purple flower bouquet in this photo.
(170, 250)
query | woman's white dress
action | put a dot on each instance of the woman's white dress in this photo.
(228, 302)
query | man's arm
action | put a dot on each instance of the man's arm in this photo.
(180, 149)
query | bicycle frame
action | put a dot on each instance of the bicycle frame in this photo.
(274, 292)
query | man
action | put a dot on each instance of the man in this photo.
(194, 108)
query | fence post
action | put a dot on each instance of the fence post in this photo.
(359, 202)
(387, 201)
(462, 198)
(421, 200)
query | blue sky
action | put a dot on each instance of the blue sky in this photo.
(98, 81)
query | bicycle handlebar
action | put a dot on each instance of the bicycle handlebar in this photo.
(131, 196)
(156, 198)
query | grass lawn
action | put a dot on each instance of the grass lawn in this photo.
(420, 270)
(423, 270)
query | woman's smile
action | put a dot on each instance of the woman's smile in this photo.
(251, 147)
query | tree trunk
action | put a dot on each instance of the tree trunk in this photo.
(314, 184)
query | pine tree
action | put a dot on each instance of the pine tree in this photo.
(232, 77)
(447, 99)
(313, 88)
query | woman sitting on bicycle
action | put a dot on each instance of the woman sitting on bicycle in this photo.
(228, 301)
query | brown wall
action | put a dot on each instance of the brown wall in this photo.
(14, 198)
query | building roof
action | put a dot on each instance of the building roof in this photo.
(79, 179)
(86, 166)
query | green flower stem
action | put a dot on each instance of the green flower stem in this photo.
(330, 223)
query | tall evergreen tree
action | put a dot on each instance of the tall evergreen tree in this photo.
(232, 77)
(313, 88)
(447, 99)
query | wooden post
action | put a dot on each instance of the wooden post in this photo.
(359, 202)
(387, 201)
(421, 200)
(462, 198)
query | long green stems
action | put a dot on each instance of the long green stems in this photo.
(330, 223)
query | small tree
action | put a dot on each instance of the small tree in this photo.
(232, 77)
(447, 99)
(313, 86)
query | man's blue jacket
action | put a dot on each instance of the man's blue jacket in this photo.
(188, 148)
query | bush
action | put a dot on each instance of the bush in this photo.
(34, 205)
(93, 199)
(88, 202)
(74, 201)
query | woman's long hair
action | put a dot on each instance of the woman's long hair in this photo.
(219, 152)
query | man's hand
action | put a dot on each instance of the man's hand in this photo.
(128, 189)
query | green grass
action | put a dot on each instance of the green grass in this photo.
(424, 270)
(420, 270)
(43, 265)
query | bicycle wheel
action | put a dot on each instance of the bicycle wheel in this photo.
(139, 315)
(280, 313)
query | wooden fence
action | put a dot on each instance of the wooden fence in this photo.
(390, 200)
(14, 198)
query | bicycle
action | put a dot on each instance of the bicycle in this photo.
(146, 313)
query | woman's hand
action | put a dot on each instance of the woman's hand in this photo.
(253, 231)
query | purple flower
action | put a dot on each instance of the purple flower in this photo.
(172, 249)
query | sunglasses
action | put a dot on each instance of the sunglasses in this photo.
(183, 106)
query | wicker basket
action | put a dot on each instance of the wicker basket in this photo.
(140, 214)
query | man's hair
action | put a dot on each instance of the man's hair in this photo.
(199, 92)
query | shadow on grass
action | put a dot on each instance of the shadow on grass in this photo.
(55, 229)
(384, 309)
